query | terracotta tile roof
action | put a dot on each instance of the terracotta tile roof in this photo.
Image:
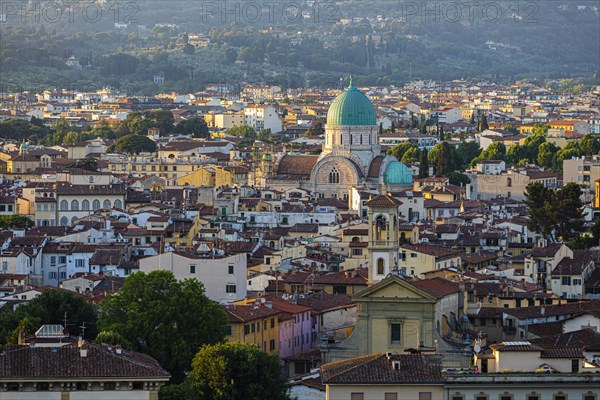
(438, 287)
(47, 363)
(564, 352)
(549, 250)
(488, 312)
(305, 228)
(568, 309)
(296, 165)
(375, 167)
(63, 188)
(437, 251)
(310, 355)
(515, 346)
(323, 302)
(383, 200)
(378, 369)
(359, 276)
(571, 266)
(244, 313)
(584, 338)
(546, 329)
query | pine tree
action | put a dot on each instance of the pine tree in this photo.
(423, 164)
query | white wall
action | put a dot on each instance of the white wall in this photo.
(212, 272)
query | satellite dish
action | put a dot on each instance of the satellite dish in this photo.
(477, 348)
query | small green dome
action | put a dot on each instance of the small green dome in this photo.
(352, 107)
(397, 173)
(266, 157)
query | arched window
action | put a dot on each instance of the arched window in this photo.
(73, 220)
(106, 204)
(85, 205)
(64, 221)
(380, 266)
(334, 176)
(508, 182)
(74, 205)
(96, 205)
(118, 204)
(64, 205)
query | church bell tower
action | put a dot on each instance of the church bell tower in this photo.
(384, 219)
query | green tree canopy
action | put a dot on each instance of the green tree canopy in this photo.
(443, 157)
(50, 308)
(556, 213)
(196, 127)
(423, 164)
(456, 178)
(164, 318)
(538, 200)
(242, 131)
(401, 148)
(15, 221)
(237, 371)
(547, 155)
(589, 145)
(89, 164)
(133, 144)
(467, 152)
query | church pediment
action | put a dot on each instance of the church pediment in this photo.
(394, 287)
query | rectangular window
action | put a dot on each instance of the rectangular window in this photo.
(357, 396)
(52, 275)
(246, 329)
(589, 397)
(458, 397)
(506, 398)
(253, 327)
(481, 398)
(230, 289)
(395, 333)
(272, 323)
(192, 269)
(391, 396)
(566, 280)
(79, 263)
(272, 345)
(424, 395)
(574, 365)
(533, 397)
(560, 397)
(231, 270)
(228, 330)
(52, 260)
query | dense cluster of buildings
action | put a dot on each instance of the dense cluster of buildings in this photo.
(322, 249)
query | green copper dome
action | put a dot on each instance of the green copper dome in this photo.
(397, 173)
(352, 107)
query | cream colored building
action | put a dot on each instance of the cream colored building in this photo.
(416, 259)
(393, 315)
